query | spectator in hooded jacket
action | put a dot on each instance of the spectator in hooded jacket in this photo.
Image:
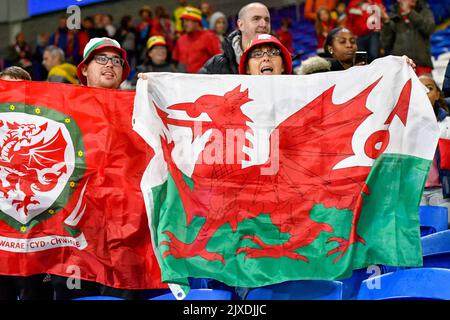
(219, 25)
(196, 46)
(407, 31)
(253, 19)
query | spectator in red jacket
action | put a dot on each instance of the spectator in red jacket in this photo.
(364, 20)
(284, 33)
(324, 24)
(196, 46)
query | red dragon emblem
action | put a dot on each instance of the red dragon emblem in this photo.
(29, 162)
(227, 193)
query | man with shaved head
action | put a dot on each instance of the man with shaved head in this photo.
(253, 19)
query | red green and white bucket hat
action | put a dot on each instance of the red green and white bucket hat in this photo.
(96, 44)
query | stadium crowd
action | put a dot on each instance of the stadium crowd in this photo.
(186, 39)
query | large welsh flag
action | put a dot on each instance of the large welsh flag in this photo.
(70, 199)
(262, 179)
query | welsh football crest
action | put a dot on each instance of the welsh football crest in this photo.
(41, 163)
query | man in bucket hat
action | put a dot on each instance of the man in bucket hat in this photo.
(104, 64)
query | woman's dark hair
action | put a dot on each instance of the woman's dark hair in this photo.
(330, 37)
(441, 102)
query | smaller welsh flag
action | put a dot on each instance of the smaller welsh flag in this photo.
(258, 180)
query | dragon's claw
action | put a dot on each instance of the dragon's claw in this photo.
(343, 246)
(24, 204)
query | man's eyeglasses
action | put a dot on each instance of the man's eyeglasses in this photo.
(257, 54)
(102, 59)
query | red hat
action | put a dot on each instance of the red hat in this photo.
(96, 44)
(262, 39)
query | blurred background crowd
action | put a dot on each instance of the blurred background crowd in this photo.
(151, 34)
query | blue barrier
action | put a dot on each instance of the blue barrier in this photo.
(199, 294)
(411, 284)
(432, 219)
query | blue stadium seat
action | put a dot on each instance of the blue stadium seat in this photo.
(411, 284)
(200, 294)
(432, 219)
(351, 285)
(98, 298)
(299, 290)
(436, 250)
(199, 283)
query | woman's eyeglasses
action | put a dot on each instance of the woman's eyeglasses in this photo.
(257, 54)
(102, 59)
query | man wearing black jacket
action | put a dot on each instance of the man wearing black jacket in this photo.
(253, 19)
(407, 31)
